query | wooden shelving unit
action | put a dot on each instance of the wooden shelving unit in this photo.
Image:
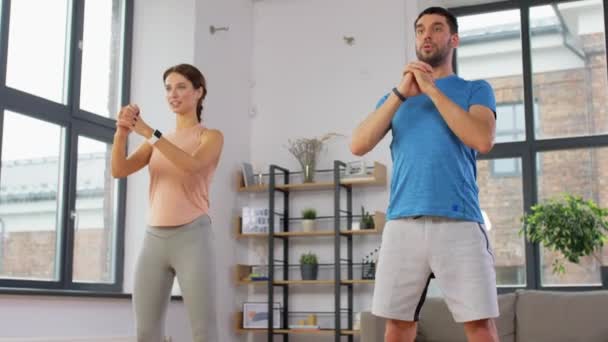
(279, 184)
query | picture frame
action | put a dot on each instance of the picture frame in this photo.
(254, 220)
(355, 168)
(255, 315)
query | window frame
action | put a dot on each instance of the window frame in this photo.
(528, 149)
(512, 132)
(75, 122)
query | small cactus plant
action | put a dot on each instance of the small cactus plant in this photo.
(367, 220)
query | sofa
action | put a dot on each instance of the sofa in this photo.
(525, 316)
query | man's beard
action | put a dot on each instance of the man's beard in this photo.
(436, 58)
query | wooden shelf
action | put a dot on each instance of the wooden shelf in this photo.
(359, 281)
(377, 178)
(305, 234)
(242, 272)
(238, 224)
(304, 282)
(379, 221)
(321, 282)
(307, 282)
(330, 332)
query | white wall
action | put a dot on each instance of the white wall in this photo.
(225, 58)
(308, 81)
(47, 317)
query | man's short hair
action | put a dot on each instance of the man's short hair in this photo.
(449, 17)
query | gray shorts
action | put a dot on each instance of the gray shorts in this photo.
(457, 253)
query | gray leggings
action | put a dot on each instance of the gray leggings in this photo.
(185, 251)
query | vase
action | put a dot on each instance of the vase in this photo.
(309, 173)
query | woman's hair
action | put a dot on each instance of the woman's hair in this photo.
(193, 75)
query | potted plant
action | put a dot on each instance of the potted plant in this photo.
(367, 220)
(309, 266)
(571, 226)
(308, 219)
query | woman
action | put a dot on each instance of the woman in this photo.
(179, 239)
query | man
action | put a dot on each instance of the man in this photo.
(439, 123)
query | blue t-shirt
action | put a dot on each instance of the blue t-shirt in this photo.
(434, 172)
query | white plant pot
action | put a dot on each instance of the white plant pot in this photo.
(308, 225)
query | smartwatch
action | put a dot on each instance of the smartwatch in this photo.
(155, 136)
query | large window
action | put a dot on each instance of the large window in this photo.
(546, 62)
(61, 212)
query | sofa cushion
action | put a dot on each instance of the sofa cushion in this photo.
(372, 327)
(437, 324)
(549, 316)
(505, 324)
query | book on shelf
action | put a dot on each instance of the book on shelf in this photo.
(248, 176)
(255, 315)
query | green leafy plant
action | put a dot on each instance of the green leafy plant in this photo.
(308, 258)
(309, 214)
(569, 225)
(367, 220)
